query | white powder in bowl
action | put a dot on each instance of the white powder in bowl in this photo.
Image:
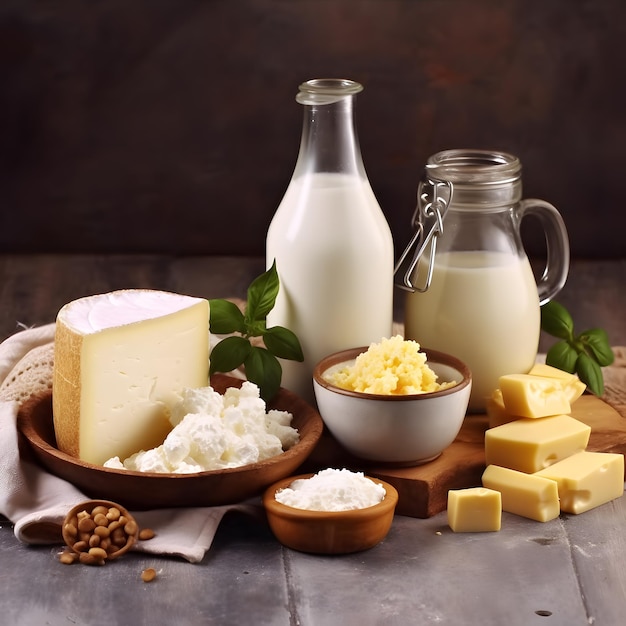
(332, 490)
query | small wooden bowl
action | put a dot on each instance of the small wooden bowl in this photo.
(71, 524)
(329, 532)
(146, 490)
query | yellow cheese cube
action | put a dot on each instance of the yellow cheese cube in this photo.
(533, 396)
(529, 445)
(547, 371)
(587, 479)
(474, 510)
(496, 412)
(574, 389)
(523, 494)
(572, 385)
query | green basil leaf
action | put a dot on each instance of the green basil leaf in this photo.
(596, 341)
(590, 373)
(261, 364)
(262, 294)
(255, 329)
(263, 369)
(283, 343)
(229, 354)
(225, 317)
(562, 356)
(556, 320)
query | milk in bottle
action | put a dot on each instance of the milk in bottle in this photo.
(332, 245)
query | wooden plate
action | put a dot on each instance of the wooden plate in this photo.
(423, 490)
(141, 490)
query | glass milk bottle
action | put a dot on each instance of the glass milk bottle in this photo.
(471, 289)
(332, 245)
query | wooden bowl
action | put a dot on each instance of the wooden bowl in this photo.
(324, 532)
(71, 528)
(142, 490)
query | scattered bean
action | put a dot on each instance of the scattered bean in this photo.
(113, 525)
(118, 537)
(67, 557)
(89, 559)
(148, 575)
(99, 510)
(102, 531)
(146, 533)
(71, 529)
(100, 520)
(98, 553)
(86, 525)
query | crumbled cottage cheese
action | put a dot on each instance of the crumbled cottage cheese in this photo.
(332, 490)
(394, 366)
(213, 431)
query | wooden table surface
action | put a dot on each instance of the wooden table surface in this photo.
(570, 571)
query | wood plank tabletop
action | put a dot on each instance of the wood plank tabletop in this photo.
(570, 571)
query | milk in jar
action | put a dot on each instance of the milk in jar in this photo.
(481, 302)
(481, 306)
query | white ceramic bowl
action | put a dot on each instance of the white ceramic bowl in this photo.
(403, 430)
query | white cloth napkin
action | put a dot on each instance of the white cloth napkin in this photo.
(37, 502)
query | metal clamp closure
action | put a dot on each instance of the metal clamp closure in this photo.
(433, 200)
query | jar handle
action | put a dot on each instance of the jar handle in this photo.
(557, 246)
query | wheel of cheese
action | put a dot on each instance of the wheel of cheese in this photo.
(120, 360)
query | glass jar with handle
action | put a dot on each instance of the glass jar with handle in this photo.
(471, 290)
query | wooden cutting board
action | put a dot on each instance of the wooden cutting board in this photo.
(423, 490)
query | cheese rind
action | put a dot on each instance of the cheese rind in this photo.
(529, 445)
(533, 396)
(116, 376)
(474, 510)
(528, 495)
(587, 479)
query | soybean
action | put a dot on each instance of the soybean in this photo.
(145, 534)
(148, 575)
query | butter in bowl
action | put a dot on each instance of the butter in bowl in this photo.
(394, 402)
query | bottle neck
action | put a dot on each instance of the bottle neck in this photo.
(329, 141)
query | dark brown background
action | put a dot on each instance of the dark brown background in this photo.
(170, 126)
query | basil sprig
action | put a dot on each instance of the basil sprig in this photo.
(584, 354)
(260, 364)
